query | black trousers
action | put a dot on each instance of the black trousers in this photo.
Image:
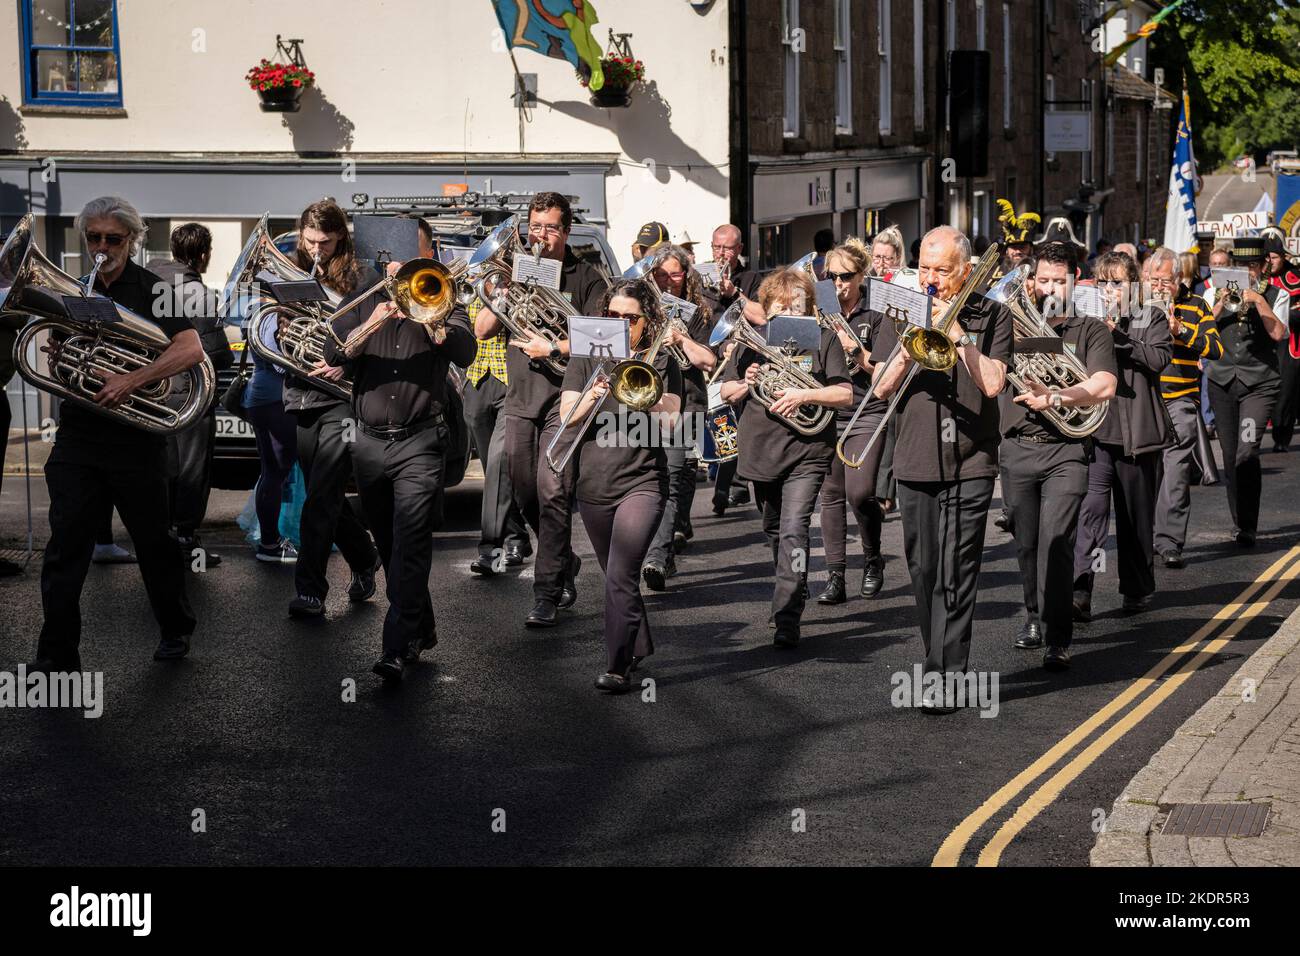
(1135, 484)
(1288, 398)
(686, 491)
(1043, 485)
(500, 522)
(723, 478)
(855, 487)
(398, 482)
(190, 465)
(6, 419)
(661, 546)
(1241, 414)
(82, 490)
(621, 533)
(327, 517)
(943, 538)
(787, 506)
(545, 498)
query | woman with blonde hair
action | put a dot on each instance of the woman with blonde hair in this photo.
(887, 252)
(787, 467)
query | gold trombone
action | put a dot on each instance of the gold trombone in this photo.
(929, 348)
(424, 291)
(634, 383)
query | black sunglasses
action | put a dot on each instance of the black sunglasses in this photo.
(842, 276)
(629, 316)
(113, 239)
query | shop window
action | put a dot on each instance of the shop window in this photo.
(71, 54)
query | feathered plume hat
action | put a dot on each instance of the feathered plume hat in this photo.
(1015, 229)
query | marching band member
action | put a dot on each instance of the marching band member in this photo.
(1128, 445)
(1281, 273)
(532, 413)
(325, 458)
(1245, 381)
(651, 235)
(786, 467)
(1017, 248)
(847, 264)
(673, 274)
(1044, 472)
(623, 484)
(946, 465)
(1195, 340)
(886, 253)
(399, 392)
(99, 463)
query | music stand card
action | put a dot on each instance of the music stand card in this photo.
(679, 307)
(91, 310)
(794, 333)
(1224, 279)
(540, 272)
(828, 301)
(601, 338)
(299, 290)
(386, 238)
(709, 273)
(1087, 301)
(897, 303)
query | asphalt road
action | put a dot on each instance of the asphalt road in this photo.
(1223, 194)
(253, 730)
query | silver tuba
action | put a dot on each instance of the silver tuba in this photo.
(1050, 370)
(526, 310)
(81, 356)
(776, 373)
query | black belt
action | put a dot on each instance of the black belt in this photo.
(1040, 439)
(389, 433)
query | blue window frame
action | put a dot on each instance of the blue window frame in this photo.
(71, 53)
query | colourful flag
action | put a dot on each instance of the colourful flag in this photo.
(1145, 30)
(558, 28)
(1180, 210)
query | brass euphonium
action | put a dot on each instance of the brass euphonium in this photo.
(1050, 370)
(776, 373)
(527, 310)
(81, 356)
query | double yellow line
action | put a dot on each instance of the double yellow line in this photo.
(1236, 615)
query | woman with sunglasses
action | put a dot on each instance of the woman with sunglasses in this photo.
(622, 476)
(786, 467)
(847, 265)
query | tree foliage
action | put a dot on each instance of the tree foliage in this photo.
(1242, 63)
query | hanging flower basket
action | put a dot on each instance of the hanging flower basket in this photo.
(621, 73)
(280, 85)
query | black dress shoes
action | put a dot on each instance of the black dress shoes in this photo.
(739, 496)
(720, 503)
(362, 587)
(1003, 522)
(1172, 559)
(542, 615)
(1246, 539)
(515, 555)
(680, 542)
(172, 649)
(613, 684)
(834, 593)
(1056, 658)
(569, 593)
(411, 653)
(483, 565)
(55, 665)
(1136, 605)
(1030, 636)
(873, 578)
(653, 576)
(786, 637)
(1082, 607)
(9, 569)
(390, 666)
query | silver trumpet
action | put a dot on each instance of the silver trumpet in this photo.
(81, 357)
(1061, 370)
(527, 310)
(777, 373)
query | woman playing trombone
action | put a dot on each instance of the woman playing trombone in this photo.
(622, 474)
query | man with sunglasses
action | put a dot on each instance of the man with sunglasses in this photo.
(532, 411)
(99, 463)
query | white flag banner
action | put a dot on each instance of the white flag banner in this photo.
(1180, 211)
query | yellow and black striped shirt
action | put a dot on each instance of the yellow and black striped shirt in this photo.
(1199, 340)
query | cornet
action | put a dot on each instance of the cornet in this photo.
(643, 270)
(833, 321)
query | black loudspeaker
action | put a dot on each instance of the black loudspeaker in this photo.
(968, 110)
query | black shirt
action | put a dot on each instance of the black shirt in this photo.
(770, 448)
(933, 398)
(138, 289)
(1091, 342)
(695, 398)
(533, 387)
(400, 376)
(302, 394)
(622, 451)
(1249, 353)
(863, 324)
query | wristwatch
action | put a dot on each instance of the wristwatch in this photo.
(1057, 401)
(965, 340)
(555, 352)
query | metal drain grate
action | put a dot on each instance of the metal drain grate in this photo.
(1217, 819)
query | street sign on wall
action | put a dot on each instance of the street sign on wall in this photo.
(1067, 131)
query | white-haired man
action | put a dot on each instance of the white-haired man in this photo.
(100, 463)
(946, 457)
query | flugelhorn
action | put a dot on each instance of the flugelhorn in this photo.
(82, 356)
(634, 383)
(930, 349)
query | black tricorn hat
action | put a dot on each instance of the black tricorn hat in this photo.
(1059, 230)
